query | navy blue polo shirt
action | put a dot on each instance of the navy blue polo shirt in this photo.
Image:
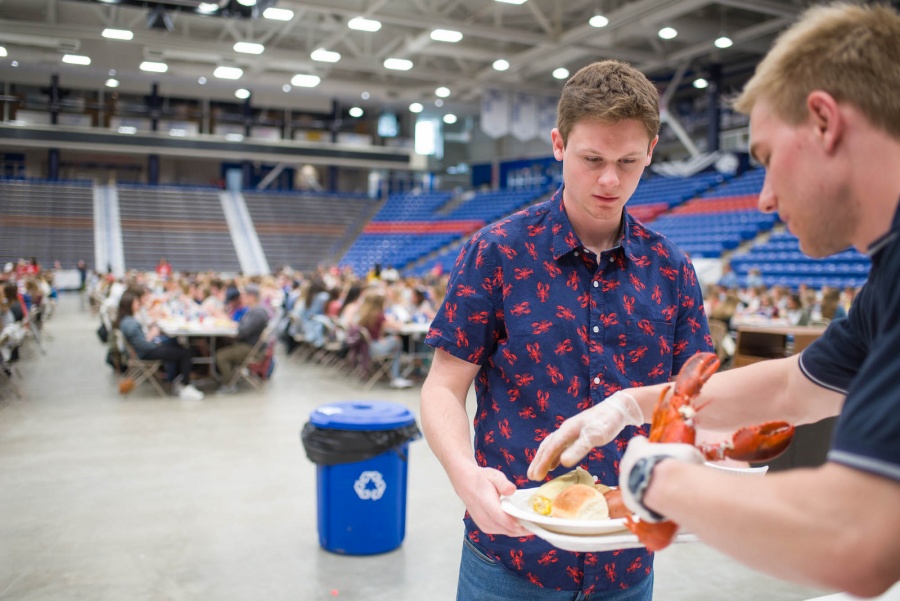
(557, 329)
(859, 356)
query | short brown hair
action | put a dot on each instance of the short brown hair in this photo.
(608, 91)
(852, 52)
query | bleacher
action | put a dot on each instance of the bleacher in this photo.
(185, 225)
(48, 220)
(656, 195)
(304, 230)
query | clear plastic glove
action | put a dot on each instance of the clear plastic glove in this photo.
(636, 471)
(591, 428)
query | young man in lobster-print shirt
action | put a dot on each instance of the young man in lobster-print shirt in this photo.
(549, 312)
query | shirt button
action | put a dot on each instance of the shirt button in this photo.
(596, 380)
(596, 329)
(596, 284)
(576, 253)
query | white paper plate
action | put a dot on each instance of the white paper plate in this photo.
(519, 506)
(597, 543)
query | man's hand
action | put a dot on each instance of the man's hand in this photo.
(480, 491)
(592, 428)
(636, 471)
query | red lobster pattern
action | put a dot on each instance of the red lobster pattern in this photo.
(557, 329)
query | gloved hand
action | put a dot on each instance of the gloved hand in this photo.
(636, 471)
(591, 428)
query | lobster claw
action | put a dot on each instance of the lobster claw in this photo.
(694, 374)
(754, 443)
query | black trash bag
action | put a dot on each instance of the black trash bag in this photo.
(325, 446)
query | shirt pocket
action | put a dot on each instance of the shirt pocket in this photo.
(649, 346)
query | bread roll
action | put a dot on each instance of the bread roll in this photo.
(542, 500)
(580, 502)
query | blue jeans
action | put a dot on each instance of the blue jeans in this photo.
(483, 579)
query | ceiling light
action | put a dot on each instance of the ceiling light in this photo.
(242, 93)
(450, 118)
(723, 42)
(247, 2)
(117, 34)
(667, 33)
(363, 24)
(286, 88)
(306, 81)
(228, 72)
(598, 21)
(398, 64)
(356, 112)
(325, 56)
(111, 72)
(249, 48)
(14, 64)
(154, 67)
(234, 137)
(76, 59)
(278, 14)
(112, 83)
(364, 95)
(512, 1)
(201, 80)
(127, 129)
(207, 7)
(501, 64)
(446, 35)
(701, 83)
(416, 107)
(438, 103)
(3, 51)
(442, 92)
(561, 73)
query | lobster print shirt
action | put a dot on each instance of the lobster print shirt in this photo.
(556, 330)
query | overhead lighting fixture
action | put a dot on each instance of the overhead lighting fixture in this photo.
(364, 95)
(127, 129)
(14, 64)
(446, 35)
(723, 42)
(242, 93)
(512, 1)
(224, 72)
(416, 107)
(438, 103)
(598, 21)
(201, 80)
(247, 2)
(117, 34)
(501, 64)
(325, 56)
(667, 33)
(249, 48)
(442, 92)
(364, 24)
(154, 67)
(561, 73)
(356, 112)
(3, 51)
(76, 59)
(234, 137)
(207, 7)
(278, 14)
(700, 83)
(286, 88)
(302, 80)
(449, 118)
(398, 64)
(112, 83)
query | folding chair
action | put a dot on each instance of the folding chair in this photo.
(9, 373)
(254, 369)
(141, 370)
(372, 366)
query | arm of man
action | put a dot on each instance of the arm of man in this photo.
(833, 527)
(769, 390)
(446, 426)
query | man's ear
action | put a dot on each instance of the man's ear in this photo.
(650, 150)
(559, 146)
(826, 117)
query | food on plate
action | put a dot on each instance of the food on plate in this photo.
(615, 504)
(542, 500)
(580, 502)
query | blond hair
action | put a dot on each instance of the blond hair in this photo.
(608, 91)
(852, 52)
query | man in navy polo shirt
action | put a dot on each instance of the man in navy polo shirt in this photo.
(549, 312)
(825, 122)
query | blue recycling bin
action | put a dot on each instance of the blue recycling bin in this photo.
(360, 450)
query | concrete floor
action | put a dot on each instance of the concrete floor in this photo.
(139, 498)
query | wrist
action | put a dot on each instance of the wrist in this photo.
(640, 480)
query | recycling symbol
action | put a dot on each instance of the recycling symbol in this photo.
(370, 485)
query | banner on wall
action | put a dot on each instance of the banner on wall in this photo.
(495, 112)
(546, 116)
(524, 122)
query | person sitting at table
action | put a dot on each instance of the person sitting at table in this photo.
(250, 328)
(151, 345)
(372, 317)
